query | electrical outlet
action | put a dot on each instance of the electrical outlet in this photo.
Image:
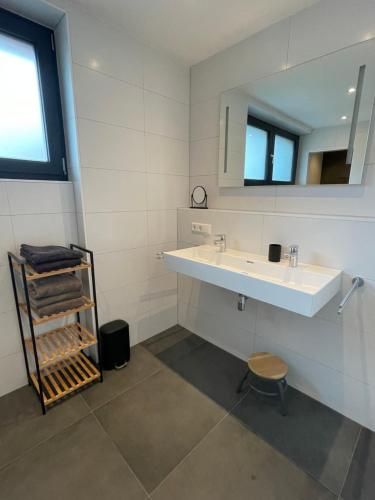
(200, 228)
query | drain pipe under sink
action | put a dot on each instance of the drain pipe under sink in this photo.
(241, 302)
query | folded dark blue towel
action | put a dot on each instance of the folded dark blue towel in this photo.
(48, 253)
(52, 266)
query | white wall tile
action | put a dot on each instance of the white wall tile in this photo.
(262, 54)
(34, 197)
(162, 226)
(107, 146)
(105, 99)
(165, 116)
(67, 200)
(337, 243)
(4, 205)
(165, 76)
(156, 266)
(352, 200)
(11, 342)
(204, 119)
(167, 191)
(12, 373)
(354, 22)
(167, 156)
(204, 157)
(100, 47)
(218, 302)
(108, 232)
(39, 229)
(7, 242)
(344, 394)
(70, 228)
(122, 268)
(216, 330)
(113, 190)
(6, 297)
(257, 198)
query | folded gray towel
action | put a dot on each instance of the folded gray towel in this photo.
(48, 253)
(46, 301)
(54, 285)
(59, 307)
(52, 266)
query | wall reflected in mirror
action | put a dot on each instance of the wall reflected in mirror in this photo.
(307, 125)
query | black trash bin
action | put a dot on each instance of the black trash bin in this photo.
(115, 344)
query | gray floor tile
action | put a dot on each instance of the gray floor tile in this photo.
(23, 426)
(316, 438)
(360, 484)
(231, 463)
(157, 423)
(213, 371)
(79, 463)
(142, 364)
(163, 340)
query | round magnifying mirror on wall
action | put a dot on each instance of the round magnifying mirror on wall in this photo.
(199, 197)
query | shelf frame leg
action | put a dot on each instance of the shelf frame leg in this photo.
(31, 325)
(20, 325)
(96, 320)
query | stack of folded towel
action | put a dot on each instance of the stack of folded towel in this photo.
(49, 258)
(55, 294)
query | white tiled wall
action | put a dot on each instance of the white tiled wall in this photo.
(126, 117)
(132, 110)
(330, 357)
(32, 212)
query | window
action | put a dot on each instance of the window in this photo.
(31, 128)
(270, 155)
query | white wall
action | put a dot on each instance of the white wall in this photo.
(330, 358)
(32, 212)
(126, 120)
(132, 114)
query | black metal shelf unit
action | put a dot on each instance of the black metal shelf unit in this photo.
(61, 367)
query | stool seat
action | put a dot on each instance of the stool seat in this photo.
(267, 366)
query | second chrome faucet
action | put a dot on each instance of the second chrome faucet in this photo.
(292, 255)
(221, 242)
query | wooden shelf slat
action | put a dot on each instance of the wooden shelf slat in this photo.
(65, 377)
(61, 343)
(38, 320)
(31, 274)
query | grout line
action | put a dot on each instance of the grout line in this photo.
(121, 455)
(29, 450)
(127, 389)
(132, 84)
(351, 462)
(149, 132)
(197, 445)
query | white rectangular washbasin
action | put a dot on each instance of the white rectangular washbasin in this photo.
(304, 289)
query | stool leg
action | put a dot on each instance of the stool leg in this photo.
(281, 388)
(239, 388)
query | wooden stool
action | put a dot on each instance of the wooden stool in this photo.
(266, 367)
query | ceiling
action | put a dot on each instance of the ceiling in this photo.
(192, 30)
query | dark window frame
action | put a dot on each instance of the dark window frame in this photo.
(43, 41)
(272, 131)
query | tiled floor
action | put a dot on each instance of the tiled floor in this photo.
(170, 426)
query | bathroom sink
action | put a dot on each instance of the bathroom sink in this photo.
(304, 289)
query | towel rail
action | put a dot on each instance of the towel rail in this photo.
(357, 282)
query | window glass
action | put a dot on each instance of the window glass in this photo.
(22, 128)
(255, 153)
(283, 154)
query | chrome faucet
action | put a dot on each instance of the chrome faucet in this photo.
(292, 255)
(220, 241)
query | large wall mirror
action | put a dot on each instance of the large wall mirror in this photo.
(307, 125)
